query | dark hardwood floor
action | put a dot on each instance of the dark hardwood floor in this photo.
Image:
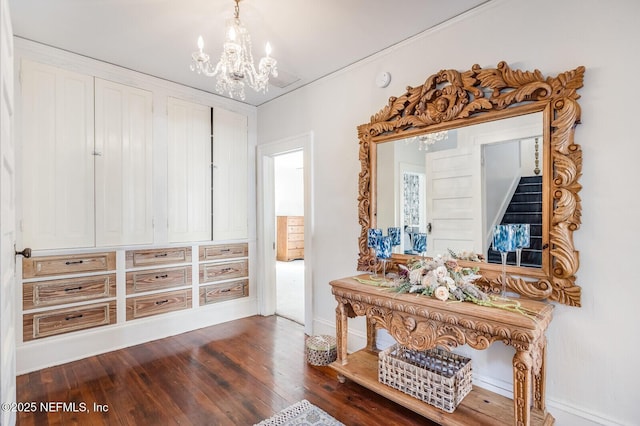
(236, 373)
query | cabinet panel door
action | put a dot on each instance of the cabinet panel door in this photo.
(189, 171)
(229, 175)
(57, 161)
(124, 210)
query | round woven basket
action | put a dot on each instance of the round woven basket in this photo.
(321, 350)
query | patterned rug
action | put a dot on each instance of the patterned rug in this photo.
(301, 413)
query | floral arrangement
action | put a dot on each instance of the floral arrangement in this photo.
(441, 278)
(444, 279)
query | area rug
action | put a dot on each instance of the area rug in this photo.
(301, 413)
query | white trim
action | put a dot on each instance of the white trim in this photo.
(266, 223)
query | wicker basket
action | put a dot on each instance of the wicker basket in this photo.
(435, 376)
(321, 350)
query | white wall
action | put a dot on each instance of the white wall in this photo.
(591, 374)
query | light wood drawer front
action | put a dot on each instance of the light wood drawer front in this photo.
(295, 245)
(224, 251)
(154, 304)
(221, 271)
(295, 230)
(225, 291)
(295, 220)
(136, 258)
(295, 254)
(68, 264)
(295, 237)
(157, 279)
(59, 321)
(57, 292)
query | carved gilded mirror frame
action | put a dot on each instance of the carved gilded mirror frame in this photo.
(451, 99)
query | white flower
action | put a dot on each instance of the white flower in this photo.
(450, 283)
(416, 289)
(426, 280)
(441, 293)
(415, 276)
(441, 272)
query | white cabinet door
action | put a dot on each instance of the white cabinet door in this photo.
(189, 171)
(230, 170)
(57, 161)
(123, 126)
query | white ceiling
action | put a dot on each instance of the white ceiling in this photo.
(310, 39)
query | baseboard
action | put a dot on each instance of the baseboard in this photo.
(48, 352)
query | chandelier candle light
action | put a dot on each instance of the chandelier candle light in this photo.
(236, 67)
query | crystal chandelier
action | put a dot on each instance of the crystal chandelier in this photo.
(236, 67)
(429, 139)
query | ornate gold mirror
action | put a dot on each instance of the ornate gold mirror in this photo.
(444, 159)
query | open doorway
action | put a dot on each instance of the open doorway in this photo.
(299, 266)
(289, 211)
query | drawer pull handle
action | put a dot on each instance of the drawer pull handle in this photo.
(71, 317)
(225, 290)
(162, 276)
(73, 288)
(162, 255)
(162, 302)
(74, 262)
(226, 269)
(225, 250)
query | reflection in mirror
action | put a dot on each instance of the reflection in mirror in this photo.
(456, 185)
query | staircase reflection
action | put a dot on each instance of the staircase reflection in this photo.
(525, 207)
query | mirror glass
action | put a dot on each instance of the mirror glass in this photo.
(456, 185)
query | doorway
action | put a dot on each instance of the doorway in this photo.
(289, 211)
(271, 158)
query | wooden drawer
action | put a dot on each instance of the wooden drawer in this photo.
(136, 258)
(295, 230)
(224, 291)
(60, 321)
(295, 254)
(295, 237)
(45, 266)
(210, 272)
(58, 292)
(295, 221)
(157, 279)
(160, 303)
(295, 245)
(224, 251)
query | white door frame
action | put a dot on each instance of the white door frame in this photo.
(266, 276)
(8, 295)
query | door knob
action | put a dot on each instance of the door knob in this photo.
(26, 253)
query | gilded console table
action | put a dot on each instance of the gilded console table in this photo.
(421, 323)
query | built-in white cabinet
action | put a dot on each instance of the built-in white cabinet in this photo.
(86, 160)
(57, 165)
(189, 171)
(123, 164)
(154, 176)
(230, 185)
(207, 181)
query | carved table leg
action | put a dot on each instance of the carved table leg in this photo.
(371, 334)
(341, 333)
(540, 377)
(522, 366)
